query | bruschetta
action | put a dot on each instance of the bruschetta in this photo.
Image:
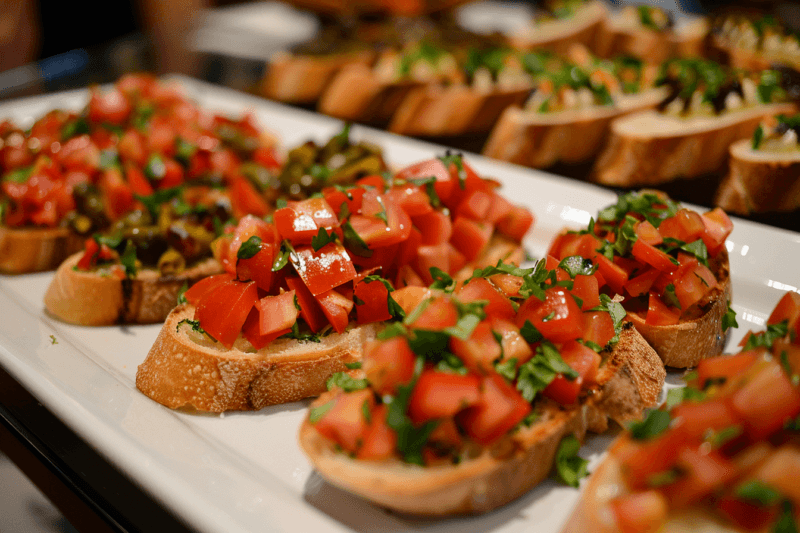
(325, 266)
(721, 456)
(567, 115)
(668, 266)
(651, 34)
(754, 43)
(74, 174)
(764, 172)
(469, 401)
(562, 24)
(707, 110)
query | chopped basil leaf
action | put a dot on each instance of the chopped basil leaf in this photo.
(729, 319)
(382, 215)
(670, 298)
(464, 327)
(500, 268)
(768, 337)
(128, 259)
(576, 265)
(315, 414)
(719, 438)
(153, 202)
(195, 324)
(284, 254)
(457, 160)
(79, 126)
(507, 369)
(653, 425)
(786, 522)
(322, 239)
(758, 136)
(155, 169)
(530, 333)
(442, 280)
(182, 293)
(353, 241)
(365, 412)
(570, 466)
(354, 365)
(392, 330)
(345, 381)
(19, 175)
(758, 492)
(683, 394)
(665, 478)
(109, 159)
(538, 372)
(395, 310)
(249, 248)
(280, 203)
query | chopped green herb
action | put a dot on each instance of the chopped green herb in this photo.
(315, 414)
(345, 381)
(758, 492)
(128, 259)
(353, 241)
(758, 136)
(182, 293)
(767, 338)
(570, 466)
(249, 248)
(195, 324)
(354, 365)
(729, 319)
(53, 339)
(653, 425)
(322, 239)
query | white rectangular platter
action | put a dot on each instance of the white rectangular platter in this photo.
(244, 472)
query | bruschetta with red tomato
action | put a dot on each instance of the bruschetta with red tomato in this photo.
(74, 174)
(561, 24)
(484, 386)
(708, 108)
(299, 292)
(721, 456)
(754, 43)
(668, 267)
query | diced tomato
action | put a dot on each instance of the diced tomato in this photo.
(336, 308)
(781, 471)
(195, 294)
(223, 311)
(587, 288)
(381, 223)
(500, 408)
(748, 515)
(300, 221)
(344, 422)
(482, 289)
(248, 226)
(407, 250)
(373, 181)
(225, 163)
(251, 330)
(767, 401)
(470, 237)
(513, 343)
(388, 364)
(584, 360)
(563, 390)
(456, 259)
(324, 269)
(444, 184)
(80, 153)
(615, 276)
(685, 226)
(258, 267)
(704, 472)
(598, 327)
(352, 197)
(410, 297)
(432, 256)
(516, 223)
(647, 233)
(412, 199)
(640, 512)
(372, 304)
(658, 314)
(407, 277)
(266, 157)
(277, 313)
(652, 256)
(131, 148)
(788, 308)
(480, 350)
(725, 368)
(718, 226)
(245, 199)
(475, 205)
(137, 180)
(508, 284)
(310, 310)
(697, 418)
(642, 283)
(652, 457)
(379, 440)
(439, 313)
(441, 395)
(117, 195)
(173, 175)
(111, 107)
(435, 228)
(558, 317)
(161, 137)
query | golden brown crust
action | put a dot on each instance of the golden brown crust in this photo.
(89, 299)
(759, 182)
(560, 35)
(650, 148)
(692, 340)
(614, 39)
(357, 93)
(503, 472)
(540, 140)
(186, 369)
(26, 250)
(455, 110)
(302, 79)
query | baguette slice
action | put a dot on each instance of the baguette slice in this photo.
(631, 379)
(455, 110)
(699, 336)
(559, 35)
(358, 93)
(185, 368)
(540, 140)
(651, 148)
(28, 250)
(89, 299)
(760, 181)
(302, 79)
(686, 39)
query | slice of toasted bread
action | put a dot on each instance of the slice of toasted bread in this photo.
(631, 379)
(455, 110)
(559, 35)
(301, 79)
(90, 299)
(359, 94)
(186, 368)
(651, 148)
(540, 140)
(616, 37)
(760, 181)
(699, 335)
(27, 250)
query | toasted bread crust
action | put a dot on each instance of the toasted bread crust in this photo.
(559, 35)
(651, 46)
(692, 340)
(301, 79)
(456, 110)
(650, 148)
(185, 369)
(759, 182)
(357, 93)
(508, 469)
(26, 250)
(540, 140)
(88, 299)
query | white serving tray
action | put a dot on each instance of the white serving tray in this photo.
(244, 472)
